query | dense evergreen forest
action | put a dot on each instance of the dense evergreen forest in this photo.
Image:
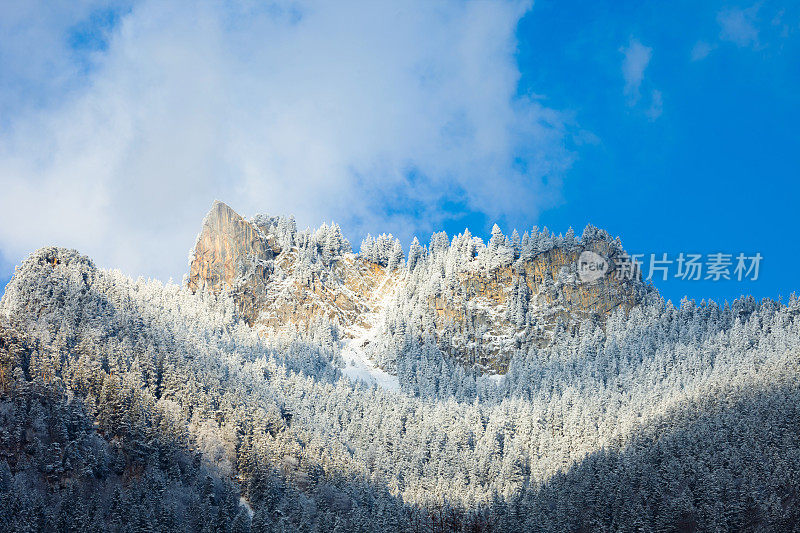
(131, 405)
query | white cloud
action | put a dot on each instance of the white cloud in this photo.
(361, 112)
(656, 105)
(635, 61)
(701, 50)
(758, 27)
(739, 26)
(34, 60)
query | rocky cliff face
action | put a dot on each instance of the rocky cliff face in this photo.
(234, 255)
(239, 256)
(480, 318)
(341, 295)
(476, 322)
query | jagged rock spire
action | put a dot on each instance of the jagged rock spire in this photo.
(230, 252)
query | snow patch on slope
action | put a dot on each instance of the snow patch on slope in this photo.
(497, 379)
(358, 365)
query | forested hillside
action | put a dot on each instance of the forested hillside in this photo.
(130, 405)
(478, 302)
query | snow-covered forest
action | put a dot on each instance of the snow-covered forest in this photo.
(131, 405)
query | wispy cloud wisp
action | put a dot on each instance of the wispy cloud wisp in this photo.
(350, 111)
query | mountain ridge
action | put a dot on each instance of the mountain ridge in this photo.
(136, 402)
(282, 283)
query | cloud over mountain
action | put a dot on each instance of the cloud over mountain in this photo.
(345, 111)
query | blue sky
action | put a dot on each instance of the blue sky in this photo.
(672, 126)
(717, 170)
